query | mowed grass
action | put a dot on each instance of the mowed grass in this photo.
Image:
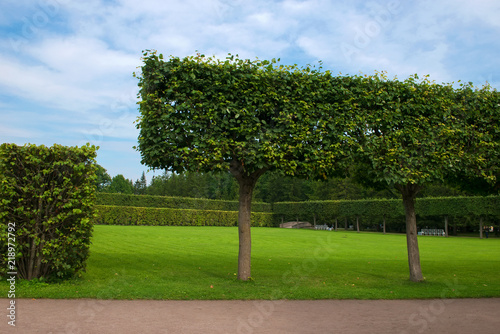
(135, 262)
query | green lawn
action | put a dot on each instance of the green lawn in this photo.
(132, 262)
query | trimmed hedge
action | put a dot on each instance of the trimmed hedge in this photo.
(148, 201)
(159, 210)
(47, 197)
(459, 206)
(328, 211)
(128, 215)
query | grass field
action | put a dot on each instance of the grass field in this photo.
(201, 262)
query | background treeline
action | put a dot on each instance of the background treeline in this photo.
(271, 187)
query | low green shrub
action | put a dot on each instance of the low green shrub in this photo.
(147, 201)
(128, 215)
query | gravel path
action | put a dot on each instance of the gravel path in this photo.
(81, 316)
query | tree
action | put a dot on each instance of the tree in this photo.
(141, 185)
(248, 118)
(413, 134)
(121, 185)
(103, 180)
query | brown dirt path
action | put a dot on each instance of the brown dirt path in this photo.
(82, 316)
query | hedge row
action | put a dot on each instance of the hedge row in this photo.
(425, 207)
(158, 210)
(128, 215)
(46, 209)
(147, 201)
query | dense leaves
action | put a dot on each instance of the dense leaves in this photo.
(201, 114)
(128, 215)
(48, 194)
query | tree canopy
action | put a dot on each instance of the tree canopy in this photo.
(201, 114)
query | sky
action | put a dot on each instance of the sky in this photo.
(67, 66)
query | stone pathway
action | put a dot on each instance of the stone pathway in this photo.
(82, 316)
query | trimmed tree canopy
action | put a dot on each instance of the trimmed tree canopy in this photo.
(201, 114)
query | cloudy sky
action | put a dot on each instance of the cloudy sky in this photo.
(67, 66)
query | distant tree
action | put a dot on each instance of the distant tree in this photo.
(222, 186)
(121, 185)
(158, 185)
(103, 179)
(248, 118)
(141, 185)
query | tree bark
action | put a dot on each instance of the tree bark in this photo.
(409, 193)
(247, 184)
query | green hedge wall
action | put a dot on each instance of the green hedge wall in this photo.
(459, 206)
(47, 197)
(159, 210)
(175, 202)
(128, 215)
(328, 211)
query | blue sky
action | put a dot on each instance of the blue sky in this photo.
(66, 66)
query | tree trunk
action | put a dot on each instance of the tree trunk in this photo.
(357, 224)
(480, 227)
(32, 259)
(336, 224)
(409, 193)
(247, 184)
(446, 226)
(384, 225)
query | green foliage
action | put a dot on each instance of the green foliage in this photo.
(411, 133)
(480, 111)
(174, 202)
(214, 185)
(460, 206)
(103, 180)
(199, 114)
(126, 215)
(328, 211)
(47, 194)
(140, 186)
(120, 185)
(377, 209)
